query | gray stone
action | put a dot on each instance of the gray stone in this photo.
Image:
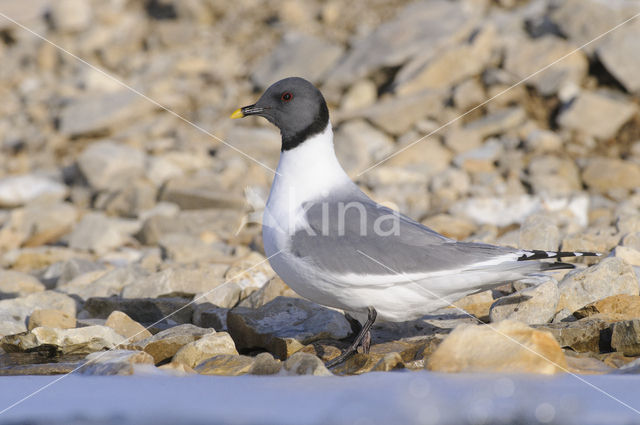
(222, 222)
(625, 337)
(581, 21)
(359, 145)
(611, 276)
(185, 248)
(177, 280)
(533, 305)
(99, 234)
(596, 114)
(115, 362)
(103, 283)
(145, 310)
(553, 176)
(129, 201)
(360, 94)
(284, 325)
(201, 192)
(14, 312)
(586, 335)
(18, 284)
(291, 57)
(207, 315)
(396, 115)
(526, 56)
(76, 267)
(448, 67)
(419, 28)
(21, 189)
(38, 224)
(109, 165)
(305, 364)
(497, 122)
(272, 289)
(265, 364)
(468, 94)
(97, 113)
(539, 232)
(620, 54)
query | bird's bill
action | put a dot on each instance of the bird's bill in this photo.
(246, 110)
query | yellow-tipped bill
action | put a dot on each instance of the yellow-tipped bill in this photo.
(237, 114)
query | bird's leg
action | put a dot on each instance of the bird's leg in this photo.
(363, 338)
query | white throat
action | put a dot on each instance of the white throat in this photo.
(307, 172)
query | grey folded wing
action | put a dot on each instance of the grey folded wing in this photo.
(364, 238)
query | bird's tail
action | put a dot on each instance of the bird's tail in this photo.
(535, 254)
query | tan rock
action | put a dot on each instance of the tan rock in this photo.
(167, 343)
(208, 346)
(127, 327)
(628, 254)
(508, 346)
(305, 364)
(265, 364)
(14, 283)
(51, 318)
(603, 174)
(477, 304)
(362, 363)
(225, 364)
(625, 337)
(458, 228)
(618, 307)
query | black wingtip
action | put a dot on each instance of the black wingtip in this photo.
(557, 266)
(536, 254)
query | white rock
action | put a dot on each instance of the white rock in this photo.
(533, 305)
(19, 190)
(109, 165)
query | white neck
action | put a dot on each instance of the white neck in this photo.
(307, 172)
(311, 168)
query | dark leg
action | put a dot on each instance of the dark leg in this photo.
(363, 338)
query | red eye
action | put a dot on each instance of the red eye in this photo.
(286, 96)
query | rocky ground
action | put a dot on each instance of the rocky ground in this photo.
(125, 228)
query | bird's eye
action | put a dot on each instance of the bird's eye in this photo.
(286, 96)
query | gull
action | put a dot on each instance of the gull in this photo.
(337, 247)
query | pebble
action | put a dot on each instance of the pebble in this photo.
(22, 189)
(358, 145)
(127, 327)
(586, 335)
(68, 341)
(617, 307)
(99, 234)
(533, 305)
(209, 345)
(625, 337)
(265, 364)
(305, 364)
(177, 280)
(143, 310)
(226, 365)
(14, 311)
(18, 284)
(604, 174)
(291, 57)
(71, 15)
(525, 56)
(50, 318)
(284, 325)
(619, 54)
(271, 290)
(164, 345)
(596, 114)
(610, 276)
(115, 362)
(539, 232)
(418, 28)
(508, 346)
(363, 363)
